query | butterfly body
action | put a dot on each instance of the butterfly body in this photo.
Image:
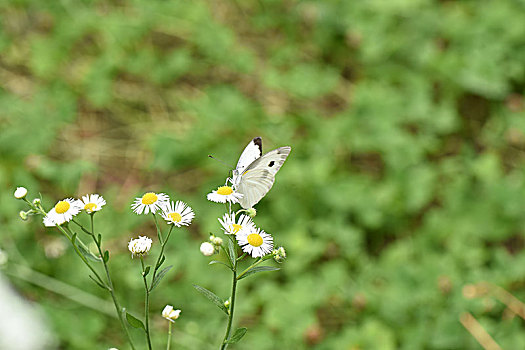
(254, 174)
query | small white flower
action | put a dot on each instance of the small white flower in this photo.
(63, 212)
(149, 202)
(92, 203)
(170, 314)
(231, 227)
(179, 214)
(224, 194)
(207, 249)
(20, 192)
(140, 246)
(257, 243)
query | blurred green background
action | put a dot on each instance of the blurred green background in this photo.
(405, 183)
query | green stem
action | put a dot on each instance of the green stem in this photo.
(232, 305)
(169, 336)
(110, 286)
(158, 229)
(146, 303)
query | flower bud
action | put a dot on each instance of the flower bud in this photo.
(36, 201)
(227, 303)
(279, 254)
(23, 215)
(140, 246)
(207, 249)
(251, 212)
(216, 241)
(20, 192)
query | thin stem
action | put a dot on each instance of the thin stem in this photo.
(232, 305)
(169, 336)
(110, 285)
(250, 267)
(157, 266)
(146, 303)
(159, 234)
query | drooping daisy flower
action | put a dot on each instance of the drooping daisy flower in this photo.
(256, 242)
(62, 212)
(170, 314)
(231, 227)
(179, 214)
(140, 246)
(92, 203)
(224, 194)
(20, 192)
(149, 202)
(207, 249)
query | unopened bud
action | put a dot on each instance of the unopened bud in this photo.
(216, 241)
(251, 212)
(279, 254)
(20, 192)
(23, 215)
(36, 201)
(207, 249)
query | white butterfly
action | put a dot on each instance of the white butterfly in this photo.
(254, 174)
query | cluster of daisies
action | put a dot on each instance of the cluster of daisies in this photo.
(253, 240)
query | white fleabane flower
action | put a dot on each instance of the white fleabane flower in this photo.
(140, 246)
(62, 212)
(256, 242)
(170, 314)
(207, 249)
(149, 202)
(92, 203)
(224, 194)
(231, 227)
(179, 213)
(20, 192)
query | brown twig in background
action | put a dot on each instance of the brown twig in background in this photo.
(478, 332)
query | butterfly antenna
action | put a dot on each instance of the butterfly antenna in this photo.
(220, 161)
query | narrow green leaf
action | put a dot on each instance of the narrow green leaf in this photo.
(134, 322)
(219, 262)
(106, 256)
(87, 254)
(98, 282)
(159, 277)
(212, 297)
(239, 333)
(257, 269)
(161, 261)
(232, 252)
(99, 239)
(146, 270)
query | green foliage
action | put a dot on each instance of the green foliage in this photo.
(405, 183)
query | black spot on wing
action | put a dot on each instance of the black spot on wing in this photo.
(271, 164)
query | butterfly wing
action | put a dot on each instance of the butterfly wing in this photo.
(259, 176)
(249, 155)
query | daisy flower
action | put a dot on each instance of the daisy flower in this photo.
(231, 227)
(140, 246)
(179, 213)
(170, 314)
(62, 212)
(255, 242)
(92, 203)
(149, 202)
(224, 194)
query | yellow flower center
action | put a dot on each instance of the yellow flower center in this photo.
(149, 198)
(175, 217)
(62, 207)
(225, 190)
(255, 240)
(90, 207)
(235, 228)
